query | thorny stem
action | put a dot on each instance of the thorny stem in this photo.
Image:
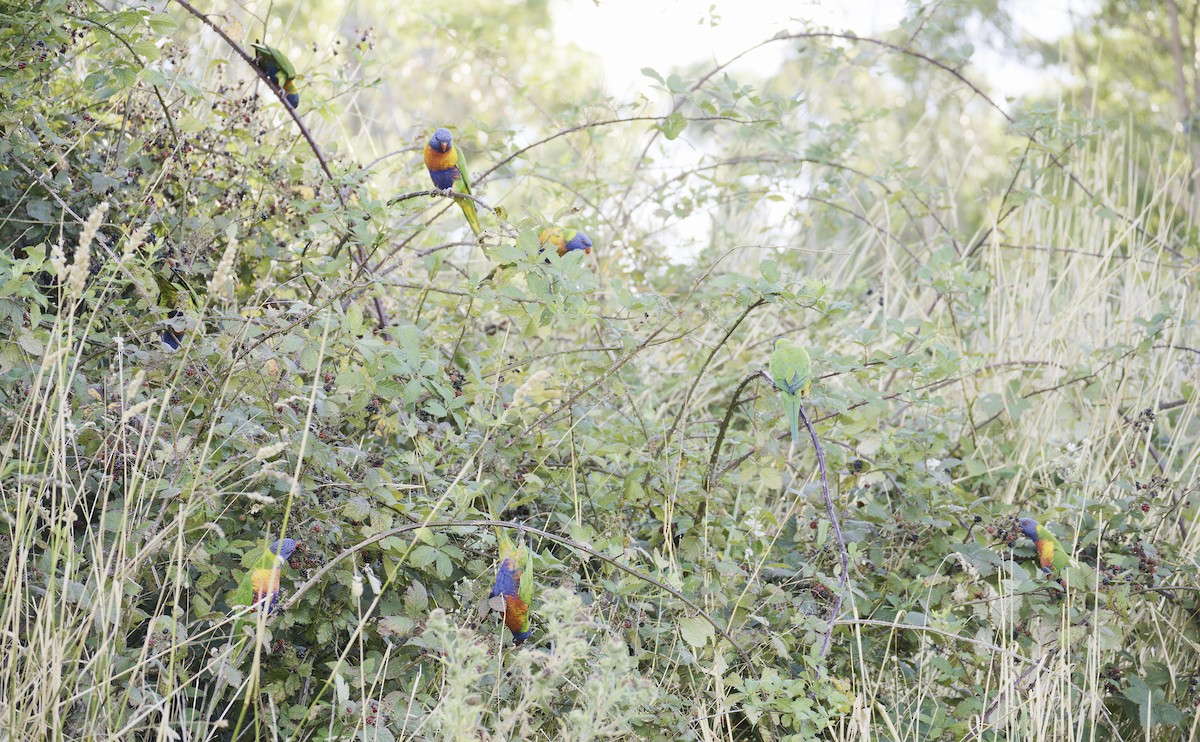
(831, 510)
(716, 452)
(360, 256)
(703, 367)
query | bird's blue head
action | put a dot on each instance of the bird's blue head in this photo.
(284, 548)
(508, 579)
(580, 242)
(441, 141)
(519, 637)
(1029, 528)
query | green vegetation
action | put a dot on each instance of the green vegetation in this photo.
(998, 298)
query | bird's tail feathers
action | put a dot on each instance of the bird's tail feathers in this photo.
(472, 215)
(791, 404)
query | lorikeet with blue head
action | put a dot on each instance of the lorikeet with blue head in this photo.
(1051, 555)
(448, 170)
(512, 592)
(563, 240)
(566, 240)
(260, 585)
(276, 66)
(791, 370)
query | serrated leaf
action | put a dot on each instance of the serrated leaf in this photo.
(416, 598)
(356, 509)
(396, 626)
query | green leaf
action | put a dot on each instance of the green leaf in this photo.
(695, 631)
(672, 126)
(649, 72)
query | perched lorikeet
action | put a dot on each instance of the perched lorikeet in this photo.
(279, 68)
(791, 370)
(512, 592)
(448, 170)
(566, 240)
(260, 584)
(1051, 555)
(169, 298)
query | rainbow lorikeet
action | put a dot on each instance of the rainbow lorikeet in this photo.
(260, 584)
(512, 592)
(565, 240)
(448, 170)
(169, 298)
(279, 69)
(791, 370)
(1051, 555)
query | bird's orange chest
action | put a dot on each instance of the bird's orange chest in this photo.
(435, 160)
(1045, 551)
(514, 613)
(264, 582)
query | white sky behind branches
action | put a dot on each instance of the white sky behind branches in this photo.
(628, 35)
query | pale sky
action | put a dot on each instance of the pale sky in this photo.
(631, 34)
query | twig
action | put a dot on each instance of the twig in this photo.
(360, 255)
(312, 143)
(716, 452)
(703, 367)
(440, 193)
(837, 531)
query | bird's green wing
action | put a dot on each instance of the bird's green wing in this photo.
(168, 295)
(790, 367)
(1061, 559)
(280, 59)
(465, 180)
(463, 184)
(525, 590)
(260, 558)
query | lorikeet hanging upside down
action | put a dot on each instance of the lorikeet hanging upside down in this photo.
(512, 592)
(566, 240)
(1051, 555)
(260, 585)
(279, 69)
(169, 282)
(791, 370)
(448, 170)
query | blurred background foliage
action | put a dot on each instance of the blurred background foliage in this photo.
(998, 293)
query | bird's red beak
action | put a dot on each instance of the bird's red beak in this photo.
(587, 251)
(445, 146)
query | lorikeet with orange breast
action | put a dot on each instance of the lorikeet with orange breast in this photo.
(448, 170)
(566, 240)
(260, 585)
(1051, 555)
(512, 592)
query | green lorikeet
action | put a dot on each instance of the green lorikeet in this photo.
(260, 584)
(791, 370)
(565, 240)
(448, 170)
(512, 592)
(279, 69)
(1051, 555)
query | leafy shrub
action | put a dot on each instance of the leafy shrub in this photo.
(997, 330)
